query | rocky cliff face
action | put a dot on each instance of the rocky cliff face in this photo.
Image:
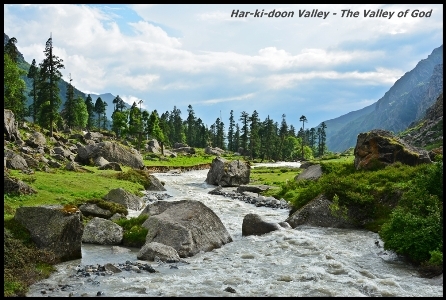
(405, 102)
(429, 130)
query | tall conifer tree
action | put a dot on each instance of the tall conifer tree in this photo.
(48, 96)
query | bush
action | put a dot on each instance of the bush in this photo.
(415, 228)
(134, 233)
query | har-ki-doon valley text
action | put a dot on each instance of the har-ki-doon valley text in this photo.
(343, 13)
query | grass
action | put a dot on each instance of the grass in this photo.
(186, 160)
(273, 176)
(64, 187)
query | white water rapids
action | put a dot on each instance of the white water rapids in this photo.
(306, 261)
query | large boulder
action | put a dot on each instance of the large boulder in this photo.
(188, 226)
(36, 140)
(253, 224)
(378, 148)
(15, 186)
(112, 152)
(128, 200)
(153, 146)
(317, 213)
(55, 228)
(214, 151)
(228, 173)
(151, 250)
(155, 184)
(15, 161)
(91, 209)
(103, 232)
(10, 127)
(312, 172)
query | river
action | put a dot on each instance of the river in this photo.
(306, 261)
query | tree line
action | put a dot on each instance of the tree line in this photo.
(252, 137)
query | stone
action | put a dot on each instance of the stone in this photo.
(103, 232)
(164, 252)
(317, 213)
(55, 228)
(228, 173)
(124, 198)
(112, 152)
(188, 226)
(10, 126)
(312, 172)
(379, 148)
(253, 224)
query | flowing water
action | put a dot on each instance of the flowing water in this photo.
(306, 261)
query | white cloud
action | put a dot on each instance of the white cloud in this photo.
(380, 76)
(236, 98)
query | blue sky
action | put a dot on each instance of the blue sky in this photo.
(176, 55)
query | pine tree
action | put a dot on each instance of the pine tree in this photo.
(267, 137)
(80, 113)
(323, 137)
(219, 134)
(68, 112)
(283, 132)
(48, 96)
(134, 120)
(177, 126)
(231, 132)
(33, 73)
(14, 85)
(254, 139)
(303, 119)
(99, 108)
(191, 130)
(120, 122)
(237, 137)
(90, 109)
(244, 131)
(165, 127)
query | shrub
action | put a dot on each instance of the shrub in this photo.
(134, 233)
(415, 228)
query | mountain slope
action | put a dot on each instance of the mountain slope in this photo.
(405, 102)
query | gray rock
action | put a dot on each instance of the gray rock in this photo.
(100, 161)
(15, 186)
(111, 268)
(317, 213)
(91, 209)
(312, 172)
(103, 232)
(164, 252)
(112, 152)
(188, 226)
(15, 161)
(36, 140)
(155, 184)
(253, 224)
(10, 126)
(54, 228)
(228, 173)
(124, 198)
